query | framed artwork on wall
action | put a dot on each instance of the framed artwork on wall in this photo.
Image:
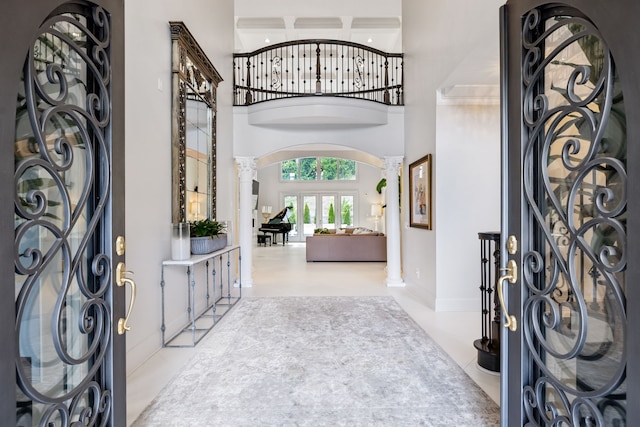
(420, 198)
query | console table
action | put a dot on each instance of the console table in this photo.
(217, 304)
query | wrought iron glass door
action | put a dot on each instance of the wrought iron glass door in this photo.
(569, 155)
(63, 73)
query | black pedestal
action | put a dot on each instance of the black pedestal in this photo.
(488, 355)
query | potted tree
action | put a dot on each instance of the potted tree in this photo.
(207, 235)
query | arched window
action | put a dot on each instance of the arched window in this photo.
(318, 169)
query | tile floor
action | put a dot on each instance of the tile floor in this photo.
(282, 271)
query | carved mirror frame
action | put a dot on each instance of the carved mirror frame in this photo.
(195, 79)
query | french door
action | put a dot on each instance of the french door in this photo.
(324, 210)
(62, 358)
(570, 237)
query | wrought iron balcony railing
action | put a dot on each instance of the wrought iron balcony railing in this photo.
(318, 67)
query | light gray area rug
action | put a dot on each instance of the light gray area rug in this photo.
(320, 361)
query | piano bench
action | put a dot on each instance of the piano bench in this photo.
(262, 239)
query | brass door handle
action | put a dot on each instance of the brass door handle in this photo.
(121, 280)
(512, 277)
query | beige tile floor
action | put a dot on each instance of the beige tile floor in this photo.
(282, 271)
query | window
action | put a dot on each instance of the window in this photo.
(309, 169)
(328, 168)
(290, 170)
(318, 168)
(346, 169)
(346, 212)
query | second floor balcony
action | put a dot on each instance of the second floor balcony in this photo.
(318, 68)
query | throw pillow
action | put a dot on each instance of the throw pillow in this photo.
(362, 230)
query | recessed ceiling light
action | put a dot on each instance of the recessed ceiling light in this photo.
(369, 40)
(267, 40)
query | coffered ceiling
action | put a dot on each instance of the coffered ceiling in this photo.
(374, 23)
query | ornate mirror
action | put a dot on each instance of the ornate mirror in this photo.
(193, 128)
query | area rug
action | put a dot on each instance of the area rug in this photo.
(320, 361)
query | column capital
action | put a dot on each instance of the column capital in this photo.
(392, 165)
(246, 168)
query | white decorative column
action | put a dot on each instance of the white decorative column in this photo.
(246, 173)
(392, 221)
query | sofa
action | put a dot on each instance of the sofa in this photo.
(350, 244)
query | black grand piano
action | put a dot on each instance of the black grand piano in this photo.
(279, 224)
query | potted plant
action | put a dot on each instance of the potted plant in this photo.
(207, 235)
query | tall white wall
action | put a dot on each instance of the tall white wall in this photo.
(468, 199)
(148, 148)
(439, 38)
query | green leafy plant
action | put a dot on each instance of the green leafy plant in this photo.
(332, 215)
(307, 214)
(206, 228)
(293, 215)
(383, 183)
(346, 214)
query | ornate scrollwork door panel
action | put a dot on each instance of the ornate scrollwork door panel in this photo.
(567, 203)
(68, 365)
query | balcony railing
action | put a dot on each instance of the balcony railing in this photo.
(318, 67)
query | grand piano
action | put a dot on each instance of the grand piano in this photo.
(279, 224)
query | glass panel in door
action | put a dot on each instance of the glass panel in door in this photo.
(346, 211)
(63, 224)
(292, 202)
(328, 212)
(309, 214)
(573, 325)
